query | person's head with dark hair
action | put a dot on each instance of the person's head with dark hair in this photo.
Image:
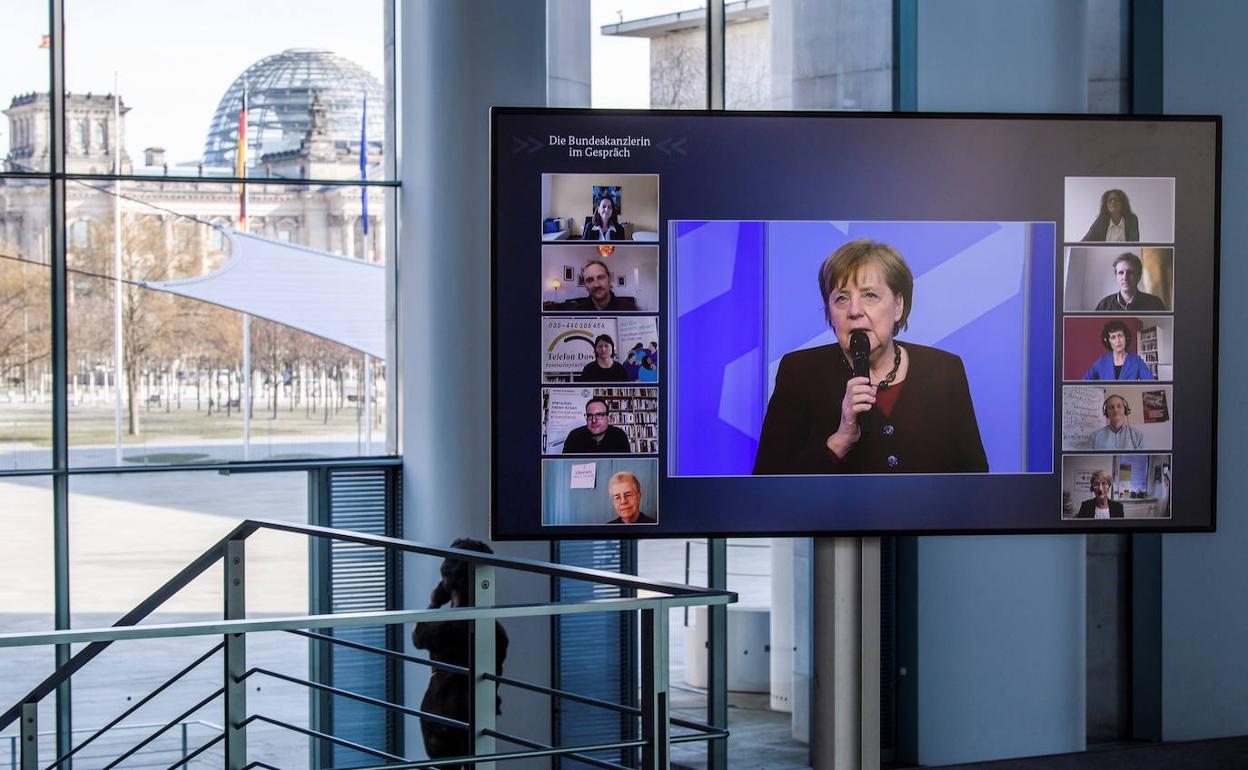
(604, 349)
(605, 214)
(1116, 336)
(1114, 206)
(597, 416)
(597, 279)
(457, 573)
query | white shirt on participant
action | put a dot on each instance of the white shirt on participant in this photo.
(1117, 233)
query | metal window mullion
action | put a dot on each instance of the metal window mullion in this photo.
(717, 654)
(655, 705)
(60, 365)
(484, 645)
(235, 658)
(320, 653)
(715, 54)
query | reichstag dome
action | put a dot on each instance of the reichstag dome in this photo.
(280, 91)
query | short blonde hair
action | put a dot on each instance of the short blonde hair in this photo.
(844, 263)
(1099, 476)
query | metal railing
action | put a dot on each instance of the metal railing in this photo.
(182, 750)
(651, 599)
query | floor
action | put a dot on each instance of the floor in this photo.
(1221, 754)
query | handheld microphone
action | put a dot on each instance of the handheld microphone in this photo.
(860, 359)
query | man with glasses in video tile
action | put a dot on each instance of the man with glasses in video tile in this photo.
(598, 435)
(625, 491)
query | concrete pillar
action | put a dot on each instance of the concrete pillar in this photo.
(831, 55)
(846, 693)
(994, 645)
(459, 58)
(1204, 616)
(567, 54)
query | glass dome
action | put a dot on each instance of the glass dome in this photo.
(280, 92)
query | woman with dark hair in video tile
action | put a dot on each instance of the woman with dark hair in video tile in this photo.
(604, 367)
(448, 641)
(604, 225)
(1100, 506)
(1115, 222)
(921, 417)
(1118, 364)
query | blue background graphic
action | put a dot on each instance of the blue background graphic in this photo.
(745, 293)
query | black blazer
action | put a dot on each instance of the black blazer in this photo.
(615, 231)
(932, 428)
(1101, 226)
(1087, 509)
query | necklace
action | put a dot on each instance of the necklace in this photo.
(892, 375)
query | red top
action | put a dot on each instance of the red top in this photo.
(886, 398)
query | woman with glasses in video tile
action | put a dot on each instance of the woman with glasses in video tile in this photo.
(910, 413)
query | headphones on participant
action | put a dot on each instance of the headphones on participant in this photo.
(1105, 406)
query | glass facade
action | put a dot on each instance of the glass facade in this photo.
(151, 317)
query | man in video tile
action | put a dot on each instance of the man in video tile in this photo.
(597, 435)
(1128, 270)
(597, 279)
(1117, 434)
(625, 491)
(1100, 506)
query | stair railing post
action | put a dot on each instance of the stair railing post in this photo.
(30, 736)
(483, 665)
(654, 690)
(235, 658)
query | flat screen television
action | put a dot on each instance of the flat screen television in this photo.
(746, 324)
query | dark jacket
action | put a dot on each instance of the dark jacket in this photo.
(585, 303)
(1087, 509)
(641, 519)
(932, 428)
(1101, 226)
(450, 693)
(614, 231)
(595, 373)
(1142, 302)
(580, 441)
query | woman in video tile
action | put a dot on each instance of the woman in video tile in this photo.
(1118, 364)
(868, 403)
(604, 225)
(604, 367)
(1115, 223)
(1100, 506)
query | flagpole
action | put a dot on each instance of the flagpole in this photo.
(245, 402)
(118, 343)
(368, 257)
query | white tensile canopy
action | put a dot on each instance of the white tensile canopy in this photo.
(338, 298)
